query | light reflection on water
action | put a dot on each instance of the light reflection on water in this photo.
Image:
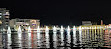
(47, 40)
(62, 38)
(29, 39)
(55, 39)
(82, 38)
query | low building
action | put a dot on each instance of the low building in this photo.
(24, 22)
(86, 23)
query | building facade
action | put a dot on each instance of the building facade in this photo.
(4, 18)
(86, 23)
(24, 22)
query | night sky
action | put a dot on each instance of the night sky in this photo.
(59, 12)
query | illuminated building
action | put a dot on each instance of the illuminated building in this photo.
(86, 23)
(4, 18)
(24, 22)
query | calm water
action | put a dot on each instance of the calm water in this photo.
(60, 40)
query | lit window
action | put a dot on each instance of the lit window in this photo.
(7, 13)
(6, 16)
(0, 22)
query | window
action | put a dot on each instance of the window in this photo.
(0, 22)
(6, 16)
(7, 13)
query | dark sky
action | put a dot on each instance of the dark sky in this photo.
(59, 12)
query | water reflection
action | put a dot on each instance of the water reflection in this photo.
(47, 40)
(1, 43)
(74, 36)
(68, 39)
(9, 37)
(29, 39)
(90, 38)
(19, 33)
(35, 39)
(38, 40)
(62, 38)
(54, 39)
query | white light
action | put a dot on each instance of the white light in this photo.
(87, 27)
(90, 27)
(68, 28)
(9, 30)
(7, 13)
(74, 28)
(9, 36)
(54, 29)
(47, 36)
(38, 29)
(80, 34)
(62, 29)
(19, 30)
(95, 27)
(62, 38)
(4, 29)
(47, 29)
(29, 29)
(80, 28)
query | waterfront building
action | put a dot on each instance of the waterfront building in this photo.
(4, 18)
(86, 23)
(33, 23)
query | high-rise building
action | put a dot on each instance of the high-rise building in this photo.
(4, 18)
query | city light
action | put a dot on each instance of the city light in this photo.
(38, 29)
(54, 29)
(29, 29)
(62, 29)
(46, 29)
(9, 30)
(34, 34)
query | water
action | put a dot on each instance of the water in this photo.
(86, 38)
